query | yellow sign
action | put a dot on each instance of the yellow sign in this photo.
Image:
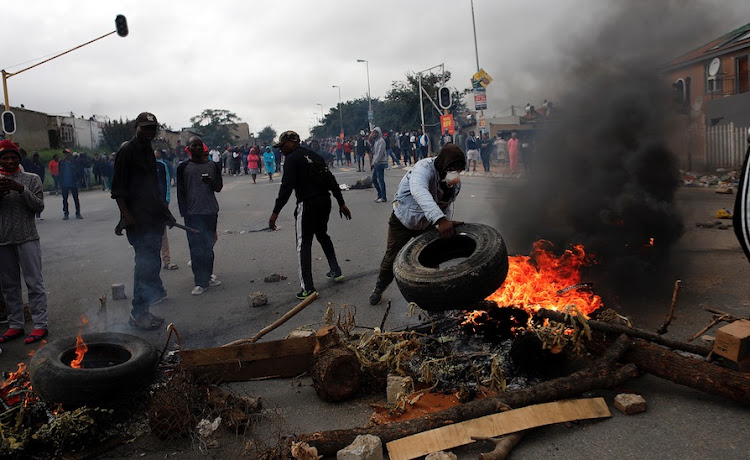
(481, 78)
(482, 123)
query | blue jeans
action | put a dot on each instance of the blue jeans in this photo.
(378, 179)
(394, 157)
(147, 285)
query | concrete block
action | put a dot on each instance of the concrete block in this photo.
(630, 404)
(364, 447)
(396, 385)
(118, 292)
(257, 299)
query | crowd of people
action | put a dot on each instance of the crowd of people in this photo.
(140, 179)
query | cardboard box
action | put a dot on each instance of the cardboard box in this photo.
(733, 340)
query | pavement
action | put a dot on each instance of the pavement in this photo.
(83, 258)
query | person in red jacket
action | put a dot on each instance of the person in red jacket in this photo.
(54, 169)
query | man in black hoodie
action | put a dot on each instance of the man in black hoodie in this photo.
(306, 173)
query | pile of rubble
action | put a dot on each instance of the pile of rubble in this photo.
(724, 179)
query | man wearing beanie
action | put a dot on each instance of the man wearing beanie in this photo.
(21, 197)
(423, 199)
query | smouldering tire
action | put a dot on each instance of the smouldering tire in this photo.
(119, 365)
(433, 287)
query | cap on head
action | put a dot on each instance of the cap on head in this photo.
(287, 136)
(67, 151)
(146, 119)
(7, 146)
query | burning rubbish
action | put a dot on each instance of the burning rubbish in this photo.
(81, 347)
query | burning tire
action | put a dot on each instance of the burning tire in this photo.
(114, 366)
(427, 273)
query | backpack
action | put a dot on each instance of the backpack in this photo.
(320, 175)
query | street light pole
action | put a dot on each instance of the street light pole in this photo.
(474, 25)
(370, 113)
(321, 113)
(121, 29)
(341, 116)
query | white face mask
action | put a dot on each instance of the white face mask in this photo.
(452, 178)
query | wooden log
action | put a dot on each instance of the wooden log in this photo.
(684, 370)
(663, 329)
(336, 374)
(617, 329)
(503, 445)
(602, 375)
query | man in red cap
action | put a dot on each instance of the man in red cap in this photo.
(143, 214)
(21, 197)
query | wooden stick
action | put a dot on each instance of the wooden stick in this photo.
(663, 328)
(723, 313)
(716, 320)
(602, 326)
(385, 316)
(503, 445)
(300, 306)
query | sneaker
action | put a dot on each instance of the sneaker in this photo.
(213, 282)
(379, 200)
(213, 277)
(198, 290)
(302, 295)
(377, 294)
(335, 275)
(65, 217)
(78, 216)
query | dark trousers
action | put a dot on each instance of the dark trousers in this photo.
(407, 156)
(202, 246)
(311, 219)
(398, 236)
(73, 191)
(56, 181)
(485, 160)
(147, 285)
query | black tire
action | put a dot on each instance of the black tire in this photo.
(55, 381)
(458, 286)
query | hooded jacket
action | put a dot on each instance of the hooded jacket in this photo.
(378, 149)
(421, 200)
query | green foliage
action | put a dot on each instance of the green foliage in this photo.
(399, 111)
(114, 133)
(266, 135)
(215, 126)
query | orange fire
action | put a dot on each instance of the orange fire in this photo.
(81, 347)
(540, 281)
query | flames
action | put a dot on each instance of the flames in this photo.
(545, 280)
(81, 347)
(17, 388)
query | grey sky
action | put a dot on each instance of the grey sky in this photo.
(273, 62)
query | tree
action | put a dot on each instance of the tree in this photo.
(114, 133)
(215, 126)
(266, 135)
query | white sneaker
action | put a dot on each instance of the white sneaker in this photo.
(214, 282)
(198, 290)
(213, 277)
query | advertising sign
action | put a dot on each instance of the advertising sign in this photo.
(480, 98)
(481, 78)
(446, 122)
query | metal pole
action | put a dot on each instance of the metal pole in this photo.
(341, 116)
(369, 96)
(321, 113)
(5, 93)
(474, 25)
(421, 103)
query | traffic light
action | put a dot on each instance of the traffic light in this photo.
(9, 122)
(121, 25)
(444, 97)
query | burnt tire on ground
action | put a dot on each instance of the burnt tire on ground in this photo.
(426, 272)
(115, 367)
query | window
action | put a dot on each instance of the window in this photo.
(66, 133)
(713, 82)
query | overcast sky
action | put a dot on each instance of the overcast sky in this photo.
(271, 63)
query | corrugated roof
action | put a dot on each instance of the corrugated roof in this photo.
(736, 39)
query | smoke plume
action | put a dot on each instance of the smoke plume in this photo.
(602, 173)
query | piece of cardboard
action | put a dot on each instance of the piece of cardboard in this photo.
(458, 434)
(733, 340)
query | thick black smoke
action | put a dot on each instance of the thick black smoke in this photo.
(602, 172)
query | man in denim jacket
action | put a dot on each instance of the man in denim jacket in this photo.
(423, 199)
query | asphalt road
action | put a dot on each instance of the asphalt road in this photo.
(83, 258)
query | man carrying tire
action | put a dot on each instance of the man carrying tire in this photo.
(423, 199)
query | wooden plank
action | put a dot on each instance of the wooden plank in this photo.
(458, 434)
(279, 367)
(246, 353)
